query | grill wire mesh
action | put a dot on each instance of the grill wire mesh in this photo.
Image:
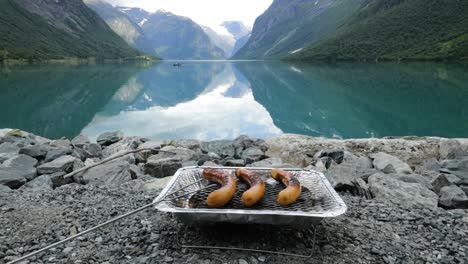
(315, 197)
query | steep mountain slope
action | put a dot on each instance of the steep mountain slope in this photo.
(289, 25)
(137, 15)
(51, 29)
(177, 37)
(121, 24)
(236, 28)
(225, 42)
(399, 30)
(240, 43)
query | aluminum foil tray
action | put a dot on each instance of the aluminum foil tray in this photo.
(318, 200)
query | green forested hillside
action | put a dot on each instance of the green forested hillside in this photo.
(288, 26)
(57, 30)
(398, 30)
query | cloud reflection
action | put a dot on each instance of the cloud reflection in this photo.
(224, 110)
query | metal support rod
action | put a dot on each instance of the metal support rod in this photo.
(250, 250)
(111, 221)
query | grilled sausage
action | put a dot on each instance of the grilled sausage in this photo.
(223, 195)
(257, 187)
(293, 186)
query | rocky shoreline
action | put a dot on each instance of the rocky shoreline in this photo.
(407, 199)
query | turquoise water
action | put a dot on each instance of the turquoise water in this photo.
(221, 100)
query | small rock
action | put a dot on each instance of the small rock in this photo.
(80, 141)
(224, 148)
(336, 154)
(451, 149)
(56, 153)
(210, 164)
(252, 154)
(444, 180)
(168, 259)
(243, 261)
(108, 138)
(262, 258)
(67, 250)
(452, 197)
(92, 150)
(58, 179)
(42, 182)
(235, 163)
(64, 163)
(389, 164)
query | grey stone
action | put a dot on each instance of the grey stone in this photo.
(189, 163)
(243, 261)
(463, 187)
(92, 150)
(112, 173)
(142, 156)
(431, 164)
(36, 151)
(341, 177)
(268, 163)
(243, 141)
(389, 187)
(42, 182)
(389, 164)
(224, 148)
(81, 140)
(64, 163)
(108, 138)
(15, 171)
(336, 154)
(57, 152)
(235, 163)
(252, 154)
(128, 143)
(162, 167)
(61, 143)
(451, 149)
(456, 167)
(5, 189)
(452, 197)
(444, 180)
(7, 150)
(67, 250)
(58, 179)
(210, 164)
(191, 144)
(361, 188)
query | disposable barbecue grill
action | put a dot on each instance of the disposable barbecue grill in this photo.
(184, 196)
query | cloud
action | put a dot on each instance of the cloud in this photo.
(205, 12)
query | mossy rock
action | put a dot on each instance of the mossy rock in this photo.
(15, 133)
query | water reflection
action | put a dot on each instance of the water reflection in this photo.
(217, 104)
(216, 100)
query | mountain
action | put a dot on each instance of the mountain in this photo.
(225, 42)
(236, 28)
(398, 30)
(240, 43)
(174, 37)
(121, 24)
(289, 25)
(137, 15)
(53, 29)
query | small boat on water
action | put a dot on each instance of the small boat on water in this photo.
(177, 64)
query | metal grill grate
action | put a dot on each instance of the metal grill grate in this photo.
(314, 197)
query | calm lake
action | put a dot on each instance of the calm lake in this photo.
(221, 100)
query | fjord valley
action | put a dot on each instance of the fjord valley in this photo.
(119, 120)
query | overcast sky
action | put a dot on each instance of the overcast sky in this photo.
(205, 12)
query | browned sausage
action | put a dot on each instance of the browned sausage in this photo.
(223, 195)
(293, 186)
(257, 187)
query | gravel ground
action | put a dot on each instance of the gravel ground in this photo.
(370, 232)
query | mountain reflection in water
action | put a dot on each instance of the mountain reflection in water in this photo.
(221, 100)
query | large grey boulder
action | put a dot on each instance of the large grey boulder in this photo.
(128, 143)
(456, 167)
(80, 141)
(36, 151)
(162, 167)
(389, 164)
(57, 152)
(444, 180)
(58, 179)
(224, 148)
(252, 154)
(393, 188)
(7, 150)
(112, 173)
(341, 177)
(452, 197)
(142, 156)
(270, 163)
(64, 163)
(108, 138)
(451, 149)
(5, 189)
(335, 154)
(43, 182)
(92, 150)
(15, 171)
